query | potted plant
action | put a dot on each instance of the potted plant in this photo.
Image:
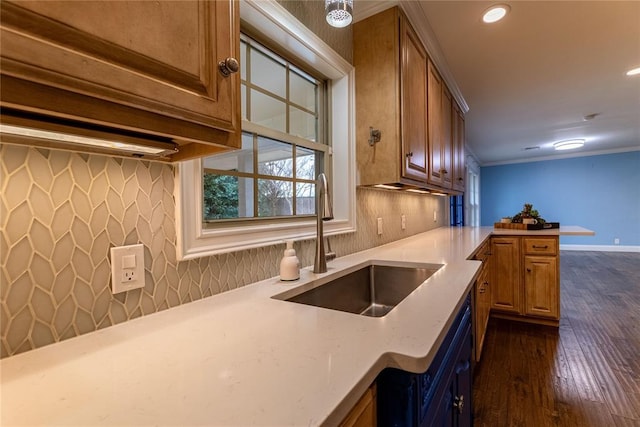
(528, 215)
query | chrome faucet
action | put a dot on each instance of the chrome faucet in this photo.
(324, 212)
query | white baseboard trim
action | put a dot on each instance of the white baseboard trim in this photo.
(600, 248)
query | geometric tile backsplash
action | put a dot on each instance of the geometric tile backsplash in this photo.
(61, 212)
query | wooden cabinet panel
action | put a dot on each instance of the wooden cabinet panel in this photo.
(482, 307)
(505, 292)
(414, 104)
(446, 138)
(458, 178)
(541, 286)
(400, 93)
(363, 413)
(434, 91)
(482, 296)
(526, 287)
(376, 57)
(540, 246)
(149, 67)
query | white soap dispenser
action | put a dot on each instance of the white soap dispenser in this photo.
(290, 265)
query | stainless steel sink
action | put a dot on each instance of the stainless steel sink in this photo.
(373, 290)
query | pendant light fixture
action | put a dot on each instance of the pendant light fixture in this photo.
(339, 12)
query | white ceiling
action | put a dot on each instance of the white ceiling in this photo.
(530, 79)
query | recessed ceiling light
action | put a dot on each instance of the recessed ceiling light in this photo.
(569, 144)
(633, 72)
(495, 13)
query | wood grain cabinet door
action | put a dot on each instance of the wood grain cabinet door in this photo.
(414, 104)
(506, 261)
(447, 122)
(147, 66)
(435, 126)
(458, 178)
(541, 286)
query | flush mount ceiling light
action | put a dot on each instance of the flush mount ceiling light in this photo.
(569, 144)
(633, 72)
(339, 12)
(495, 13)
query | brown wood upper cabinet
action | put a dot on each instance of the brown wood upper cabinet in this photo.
(151, 68)
(391, 96)
(413, 81)
(458, 177)
(400, 93)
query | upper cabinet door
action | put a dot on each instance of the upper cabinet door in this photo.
(447, 138)
(414, 104)
(435, 144)
(458, 149)
(146, 66)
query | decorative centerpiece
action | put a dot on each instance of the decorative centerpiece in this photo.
(527, 219)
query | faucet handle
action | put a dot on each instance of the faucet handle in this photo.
(329, 255)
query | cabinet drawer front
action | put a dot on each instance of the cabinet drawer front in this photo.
(543, 246)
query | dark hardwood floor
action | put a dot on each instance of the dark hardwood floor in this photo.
(587, 372)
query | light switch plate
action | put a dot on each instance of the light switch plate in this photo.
(380, 226)
(127, 268)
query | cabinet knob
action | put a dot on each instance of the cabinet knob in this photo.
(443, 171)
(228, 66)
(460, 179)
(409, 154)
(540, 247)
(528, 270)
(458, 403)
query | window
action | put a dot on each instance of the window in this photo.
(456, 210)
(473, 199)
(283, 144)
(267, 186)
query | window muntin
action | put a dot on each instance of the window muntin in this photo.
(269, 19)
(273, 175)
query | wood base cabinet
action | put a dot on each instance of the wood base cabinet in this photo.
(363, 413)
(482, 298)
(439, 397)
(526, 279)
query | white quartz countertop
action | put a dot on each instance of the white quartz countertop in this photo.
(242, 358)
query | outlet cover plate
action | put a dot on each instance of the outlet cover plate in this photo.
(127, 268)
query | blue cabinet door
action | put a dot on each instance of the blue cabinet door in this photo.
(439, 397)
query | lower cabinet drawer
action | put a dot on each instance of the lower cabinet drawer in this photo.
(540, 246)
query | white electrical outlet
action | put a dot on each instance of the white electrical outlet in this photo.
(403, 222)
(380, 226)
(616, 241)
(127, 268)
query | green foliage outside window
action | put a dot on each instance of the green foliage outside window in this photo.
(220, 196)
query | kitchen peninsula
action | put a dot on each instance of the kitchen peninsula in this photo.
(245, 358)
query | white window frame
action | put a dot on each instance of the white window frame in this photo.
(276, 24)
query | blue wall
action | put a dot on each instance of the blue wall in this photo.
(601, 193)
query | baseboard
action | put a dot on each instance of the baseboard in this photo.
(600, 248)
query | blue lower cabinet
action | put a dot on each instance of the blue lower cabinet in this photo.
(439, 397)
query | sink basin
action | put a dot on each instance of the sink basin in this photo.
(372, 291)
